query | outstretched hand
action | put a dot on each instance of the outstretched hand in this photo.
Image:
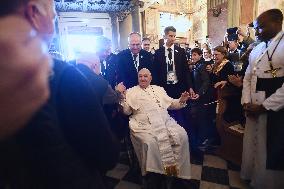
(236, 80)
(184, 97)
(220, 84)
(193, 95)
(120, 87)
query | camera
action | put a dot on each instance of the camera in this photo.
(232, 34)
(233, 30)
(250, 25)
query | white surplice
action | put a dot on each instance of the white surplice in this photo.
(254, 143)
(157, 138)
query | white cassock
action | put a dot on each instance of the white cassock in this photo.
(254, 143)
(158, 140)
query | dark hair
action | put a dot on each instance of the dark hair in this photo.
(208, 49)
(161, 42)
(196, 50)
(221, 49)
(168, 29)
(10, 6)
(275, 15)
(146, 39)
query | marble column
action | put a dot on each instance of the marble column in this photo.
(234, 10)
(115, 31)
(135, 17)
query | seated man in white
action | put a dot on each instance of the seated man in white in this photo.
(161, 145)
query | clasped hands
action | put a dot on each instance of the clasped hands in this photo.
(253, 110)
(121, 88)
(185, 96)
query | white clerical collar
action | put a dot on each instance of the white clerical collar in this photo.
(208, 59)
(278, 35)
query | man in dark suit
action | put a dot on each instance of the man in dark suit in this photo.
(172, 73)
(171, 68)
(131, 60)
(107, 59)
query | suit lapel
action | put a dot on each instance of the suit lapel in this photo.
(176, 54)
(177, 59)
(129, 58)
(163, 57)
(141, 59)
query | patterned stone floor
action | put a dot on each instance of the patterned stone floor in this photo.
(208, 172)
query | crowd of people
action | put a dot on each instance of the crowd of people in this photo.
(61, 124)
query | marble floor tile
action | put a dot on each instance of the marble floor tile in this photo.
(214, 161)
(236, 181)
(196, 171)
(127, 185)
(119, 171)
(215, 175)
(209, 185)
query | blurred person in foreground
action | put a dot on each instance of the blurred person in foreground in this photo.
(89, 64)
(24, 76)
(68, 144)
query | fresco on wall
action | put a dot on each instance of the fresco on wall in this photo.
(199, 19)
(217, 25)
(151, 21)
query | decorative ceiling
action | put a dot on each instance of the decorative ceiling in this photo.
(94, 5)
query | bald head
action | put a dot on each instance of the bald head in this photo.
(144, 78)
(144, 71)
(91, 60)
(24, 71)
(268, 24)
(134, 42)
(274, 15)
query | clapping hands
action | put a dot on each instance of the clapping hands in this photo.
(209, 68)
(236, 80)
(193, 95)
(220, 84)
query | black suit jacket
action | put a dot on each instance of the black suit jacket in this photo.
(82, 119)
(182, 71)
(98, 83)
(201, 82)
(127, 72)
(66, 142)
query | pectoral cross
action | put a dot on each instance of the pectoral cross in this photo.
(272, 70)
